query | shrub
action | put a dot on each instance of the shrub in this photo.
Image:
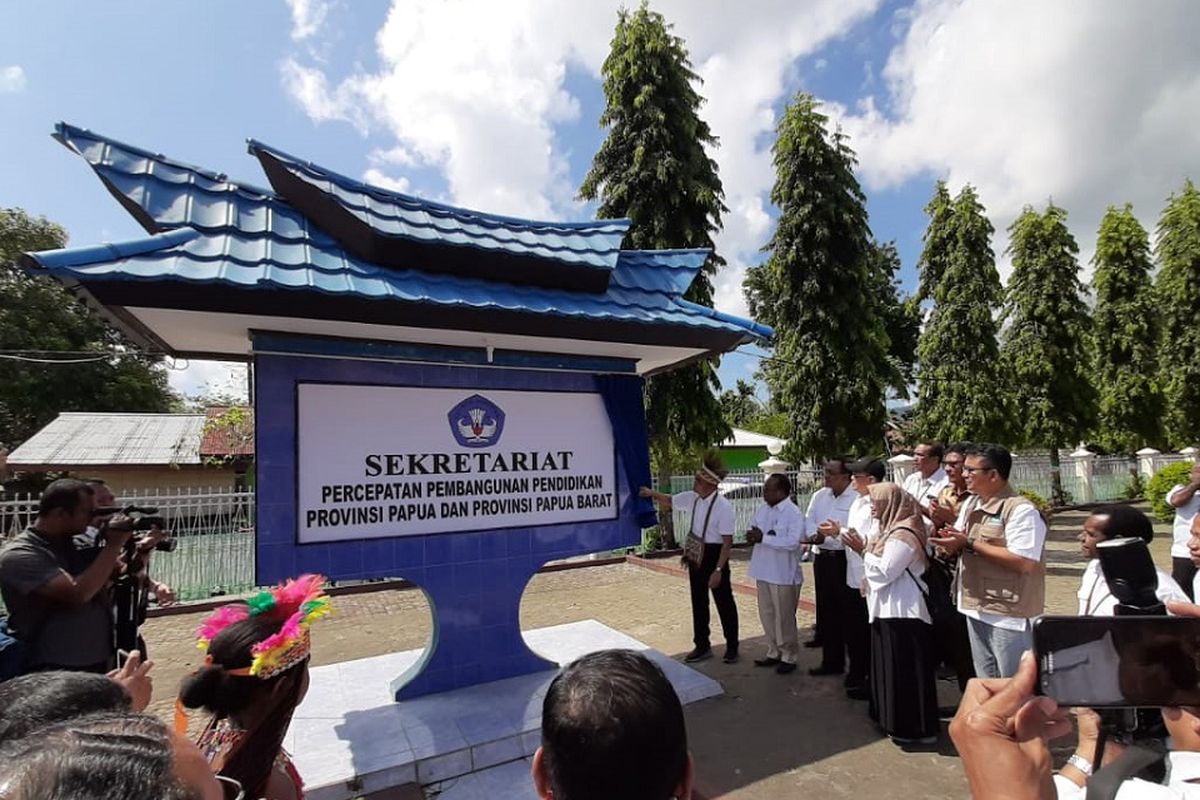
(1042, 504)
(1135, 487)
(1161, 483)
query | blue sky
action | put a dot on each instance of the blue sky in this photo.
(495, 106)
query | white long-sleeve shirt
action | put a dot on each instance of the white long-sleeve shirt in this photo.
(825, 505)
(892, 590)
(776, 559)
(864, 523)
(1182, 767)
(925, 490)
(1096, 600)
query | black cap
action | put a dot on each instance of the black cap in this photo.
(868, 466)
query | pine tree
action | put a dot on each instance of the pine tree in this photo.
(653, 169)
(960, 395)
(1178, 295)
(901, 317)
(830, 370)
(1126, 335)
(1045, 344)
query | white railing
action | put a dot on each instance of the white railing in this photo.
(213, 530)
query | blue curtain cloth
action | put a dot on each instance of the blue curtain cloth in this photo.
(623, 401)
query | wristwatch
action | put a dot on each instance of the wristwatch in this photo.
(969, 547)
(1080, 763)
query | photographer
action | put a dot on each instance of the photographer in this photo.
(1002, 732)
(132, 584)
(163, 594)
(58, 610)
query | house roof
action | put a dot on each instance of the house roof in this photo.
(334, 250)
(745, 438)
(76, 439)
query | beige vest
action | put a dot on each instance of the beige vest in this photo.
(988, 587)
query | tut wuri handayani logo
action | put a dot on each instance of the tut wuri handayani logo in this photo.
(476, 422)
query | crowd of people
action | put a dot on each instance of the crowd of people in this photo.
(947, 568)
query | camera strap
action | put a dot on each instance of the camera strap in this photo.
(1107, 781)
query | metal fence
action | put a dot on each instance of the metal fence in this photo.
(213, 528)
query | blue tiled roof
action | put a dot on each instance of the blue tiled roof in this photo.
(211, 230)
(392, 214)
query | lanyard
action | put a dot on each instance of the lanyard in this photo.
(707, 516)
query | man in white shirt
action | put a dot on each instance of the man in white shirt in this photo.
(1095, 597)
(776, 533)
(1001, 580)
(828, 510)
(711, 522)
(1185, 498)
(929, 479)
(853, 607)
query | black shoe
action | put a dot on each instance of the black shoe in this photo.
(730, 657)
(819, 671)
(785, 668)
(766, 662)
(858, 693)
(813, 645)
(698, 654)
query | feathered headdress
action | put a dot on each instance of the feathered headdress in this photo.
(298, 603)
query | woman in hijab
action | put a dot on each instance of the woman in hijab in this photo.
(903, 657)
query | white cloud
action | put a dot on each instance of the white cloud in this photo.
(377, 177)
(12, 79)
(195, 378)
(476, 91)
(1090, 103)
(307, 17)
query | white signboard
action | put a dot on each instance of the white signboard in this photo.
(376, 461)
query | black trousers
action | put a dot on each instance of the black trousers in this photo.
(903, 689)
(829, 579)
(857, 631)
(954, 648)
(722, 596)
(1184, 571)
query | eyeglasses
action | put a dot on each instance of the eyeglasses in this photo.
(973, 470)
(231, 787)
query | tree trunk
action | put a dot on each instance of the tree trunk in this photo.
(1057, 496)
(666, 519)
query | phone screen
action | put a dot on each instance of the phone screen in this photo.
(1118, 661)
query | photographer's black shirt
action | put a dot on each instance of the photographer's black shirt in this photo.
(55, 634)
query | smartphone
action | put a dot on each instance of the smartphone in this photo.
(1116, 662)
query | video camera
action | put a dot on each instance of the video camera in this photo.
(141, 518)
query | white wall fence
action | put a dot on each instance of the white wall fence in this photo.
(1086, 478)
(213, 527)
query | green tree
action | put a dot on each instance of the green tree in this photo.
(653, 168)
(39, 318)
(960, 394)
(1178, 295)
(1126, 340)
(1045, 343)
(830, 370)
(740, 406)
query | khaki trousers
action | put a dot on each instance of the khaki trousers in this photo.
(777, 612)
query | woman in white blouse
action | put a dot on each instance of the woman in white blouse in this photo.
(903, 658)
